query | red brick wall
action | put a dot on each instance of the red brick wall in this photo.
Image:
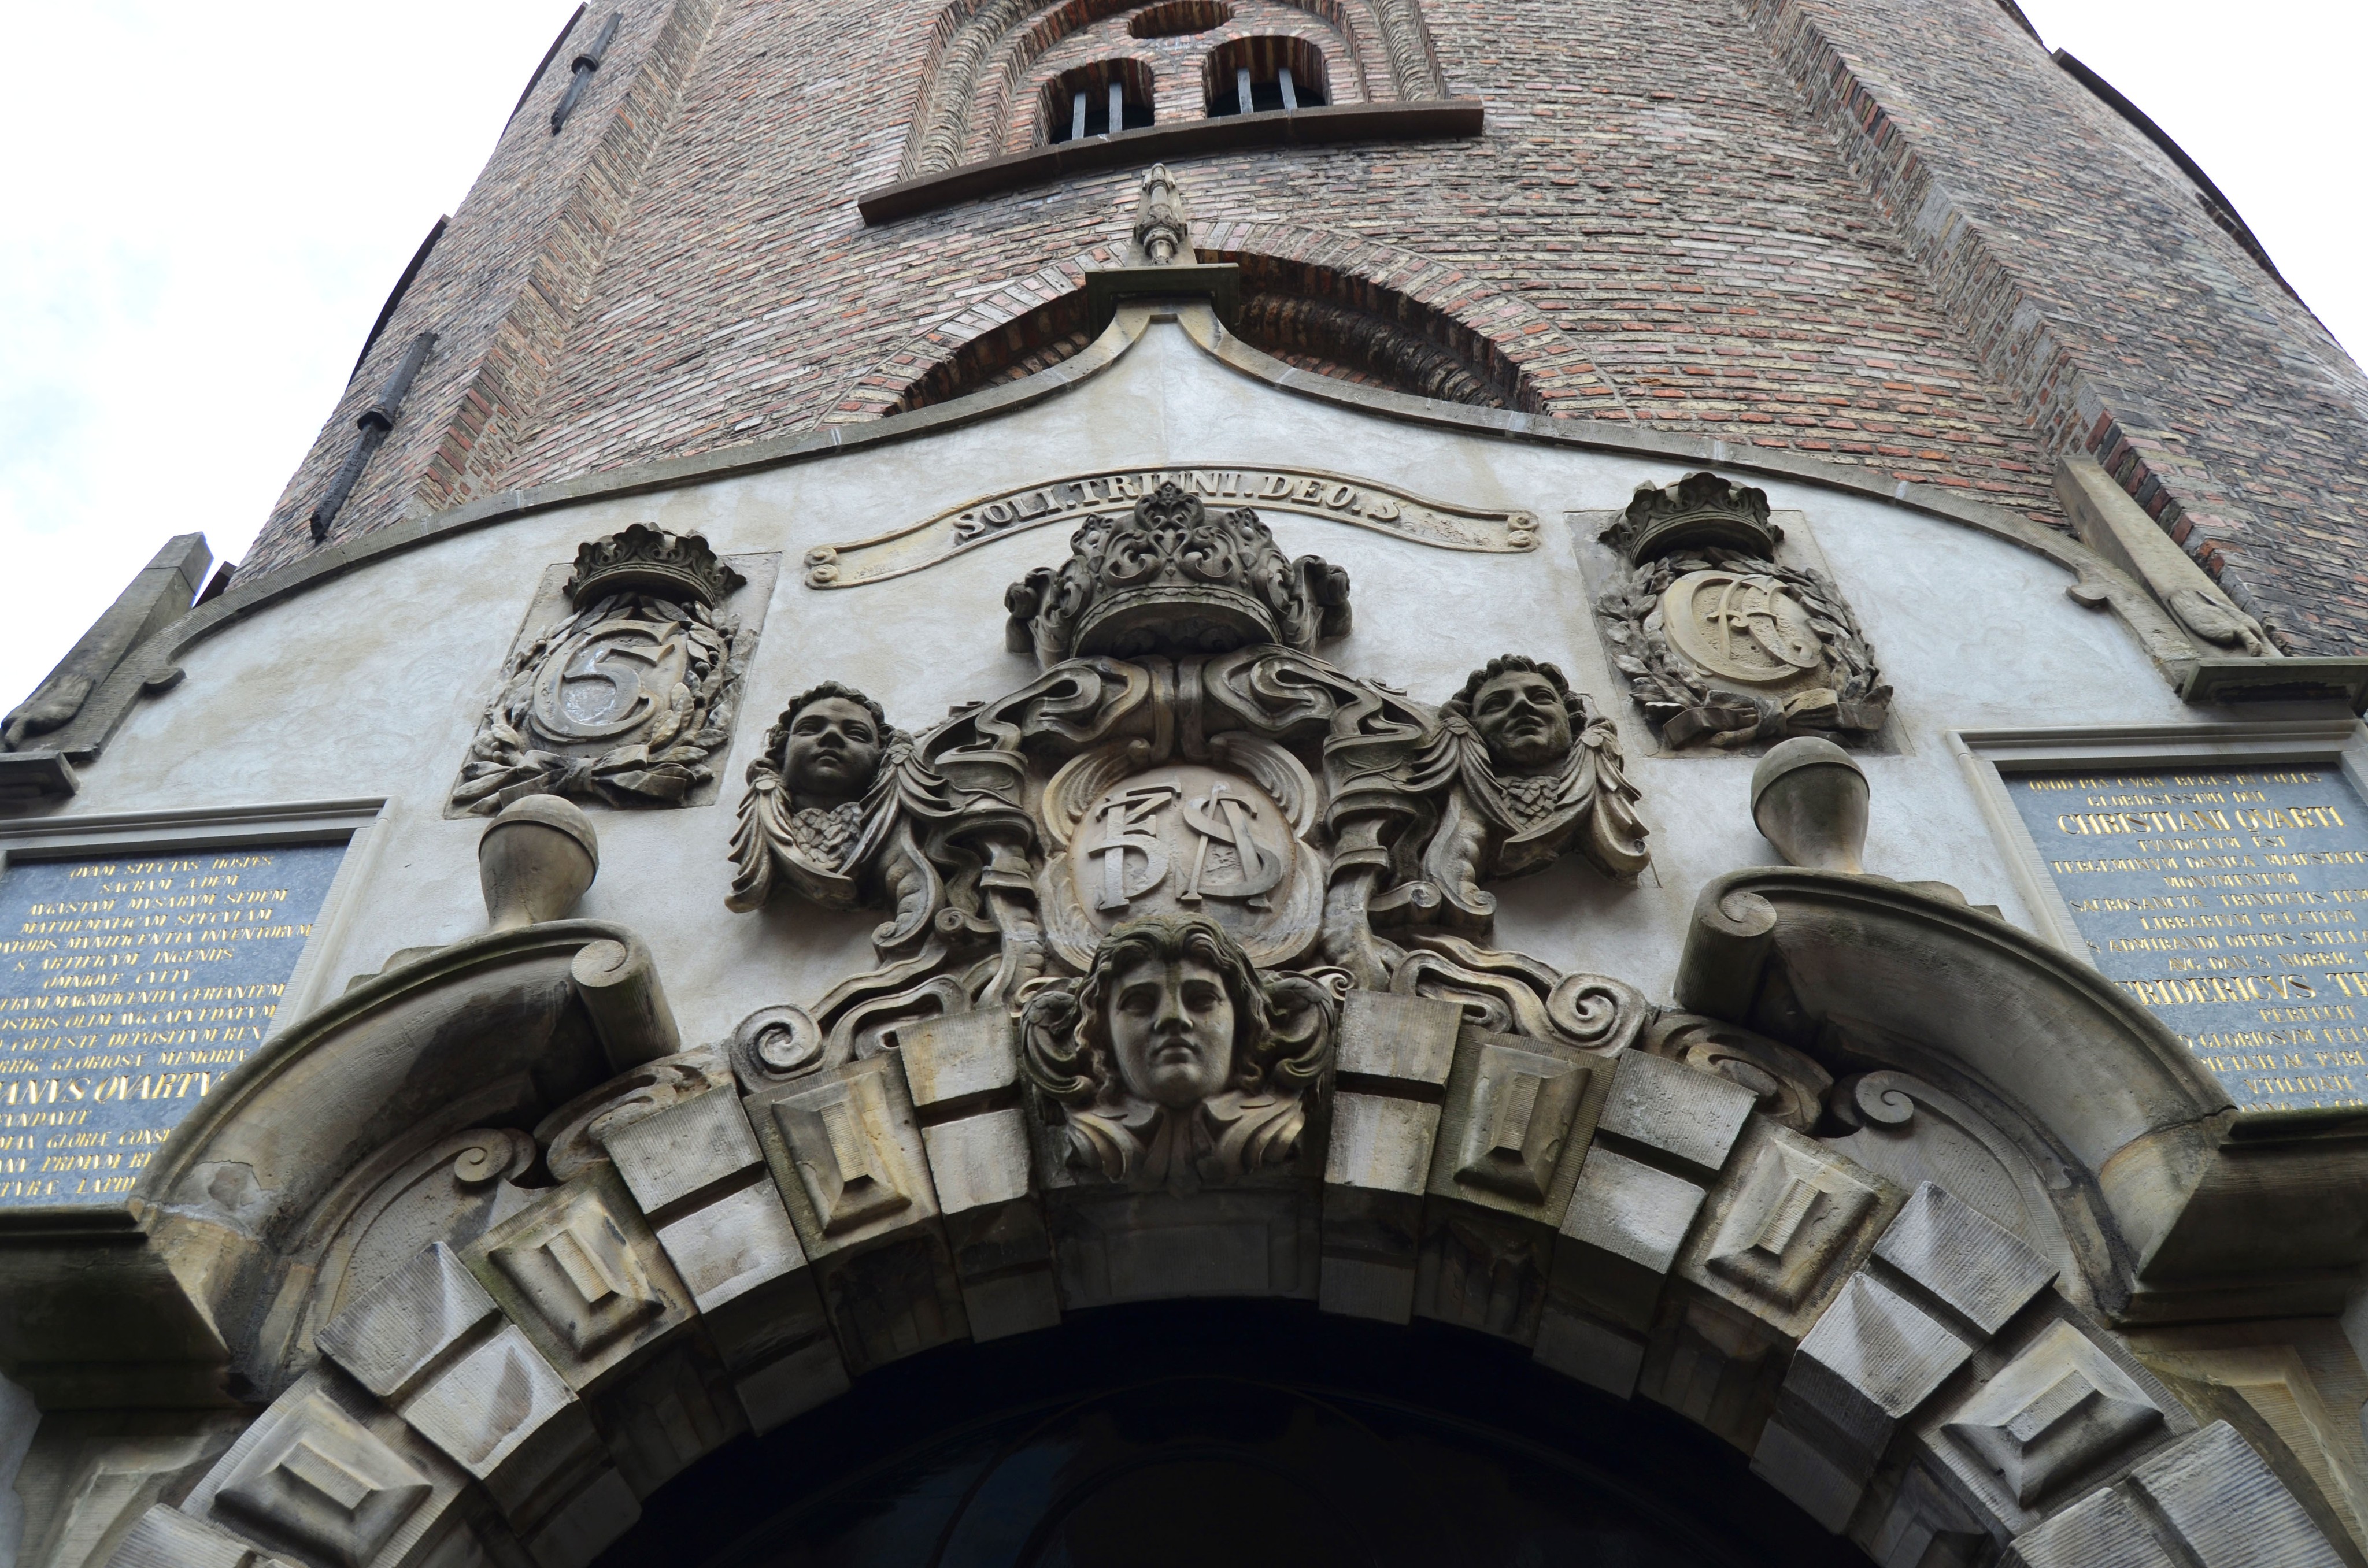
(1883, 231)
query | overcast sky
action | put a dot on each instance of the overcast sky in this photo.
(209, 204)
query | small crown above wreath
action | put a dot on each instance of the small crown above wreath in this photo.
(1700, 509)
(643, 560)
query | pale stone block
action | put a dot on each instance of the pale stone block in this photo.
(2103, 1530)
(691, 1144)
(312, 1474)
(1802, 1470)
(1380, 1143)
(2227, 1507)
(1871, 1359)
(581, 1272)
(503, 1416)
(959, 1057)
(1013, 1303)
(792, 1385)
(580, 1530)
(1622, 1234)
(1786, 1226)
(1367, 1286)
(1594, 1353)
(1689, 1115)
(166, 1538)
(1963, 1257)
(978, 1161)
(2057, 1413)
(1407, 1039)
(733, 1246)
(1514, 1134)
(390, 1334)
(2058, 1416)
(847, 1153)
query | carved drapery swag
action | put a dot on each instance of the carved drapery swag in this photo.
(626, 699)
(1721, 641)
(1250, 1111)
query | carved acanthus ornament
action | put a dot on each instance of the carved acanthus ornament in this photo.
(624, 699)
(1186, 770)
(1720, 640)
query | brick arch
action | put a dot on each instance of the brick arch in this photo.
(1354, 309)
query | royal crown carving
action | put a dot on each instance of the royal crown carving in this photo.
(626, 700)
(1724, 642)
(643, 560)
(1170, 576)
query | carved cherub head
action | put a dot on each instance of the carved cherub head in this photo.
(828, 743)
(1524, 711)
(1172, 1059)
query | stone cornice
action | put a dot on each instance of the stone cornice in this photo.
(152, 666)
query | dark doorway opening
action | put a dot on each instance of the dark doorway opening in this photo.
(1200, 1434)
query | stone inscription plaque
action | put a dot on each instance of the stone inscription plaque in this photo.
(130, 986)
(2232, 903)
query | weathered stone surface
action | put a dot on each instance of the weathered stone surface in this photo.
(2208, 1499)
(581, 1273)
(166, 1538)
(391, 1337)
(1688, 1113)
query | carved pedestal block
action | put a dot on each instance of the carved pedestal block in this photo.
(1942, 1279)
(1664, 1134)
(1778, 1239)
(1394, 1053)
(1519, 1116)
(431, 1342)
(846, 1155)
(2207, 1499)
(964, 1070)
(698, 1174)
(323, 1476)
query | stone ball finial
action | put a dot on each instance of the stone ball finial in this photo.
(1809, 797)
(535, 860)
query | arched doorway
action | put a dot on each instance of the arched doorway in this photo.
(1252, 1435)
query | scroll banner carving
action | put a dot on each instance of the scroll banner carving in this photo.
(1307, 492)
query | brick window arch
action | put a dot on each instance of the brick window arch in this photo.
(1097, 99)
(1257, 76)
(1178, 18)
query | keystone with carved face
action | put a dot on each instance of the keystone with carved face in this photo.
(1172, 1062)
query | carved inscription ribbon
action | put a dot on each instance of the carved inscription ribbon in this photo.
(1357, 502)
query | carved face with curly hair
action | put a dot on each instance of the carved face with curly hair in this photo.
(1524, 711)
(1172, 1005)
(829, 741)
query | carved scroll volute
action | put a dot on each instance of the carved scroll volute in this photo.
(1791, 1088)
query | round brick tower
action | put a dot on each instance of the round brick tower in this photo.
(1880, 232)
(1143, 783)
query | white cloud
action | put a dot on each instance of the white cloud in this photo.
(2266, 97)
(208, 205)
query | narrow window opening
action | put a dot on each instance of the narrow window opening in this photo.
(1094, 100)
(1260, 76)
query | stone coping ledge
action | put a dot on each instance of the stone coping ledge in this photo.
(150, 668)
(1421, 122)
